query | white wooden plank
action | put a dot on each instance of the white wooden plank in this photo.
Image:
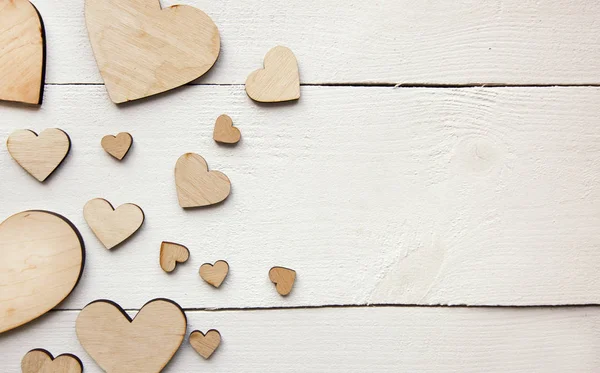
(476, 196)
(393, 41)
(361, 340)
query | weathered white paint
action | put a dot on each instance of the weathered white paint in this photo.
(477, 196)
(393, 41)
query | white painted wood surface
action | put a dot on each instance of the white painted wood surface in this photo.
(393, 41)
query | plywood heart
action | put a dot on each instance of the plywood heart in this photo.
(196, 186)
(205, 344)
(225, 132)
(117, 146)
(112, 226)
(41, 361)
(278, 81)
(283, 278)
(172, 253)
(214, 274)
(41, 260)
(22, 52)
(142, 50)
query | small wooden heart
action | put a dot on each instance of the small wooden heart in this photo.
(142, 345)
(171, 254)
(112, 226)
(214, 274)
(283, 278)
(196, 186)
(279, 80)
(225, 132)
(205, 344)
(41, 361)
(117, 146)
(39, 155)
(22, 52)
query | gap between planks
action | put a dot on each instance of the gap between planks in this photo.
(377, 85)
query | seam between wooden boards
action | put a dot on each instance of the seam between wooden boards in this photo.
(377, 85)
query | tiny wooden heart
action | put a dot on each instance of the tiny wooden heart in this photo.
(39, 155)
(22, 52)
(41, 260)
(171, 254)
(142, 50)
(142, 345)
(225, 132)
(117, 146)
(196, 186)
(214, 274)
(283, 278)
(278, 81)
(41, 361)
(205, 344)
(112, 226)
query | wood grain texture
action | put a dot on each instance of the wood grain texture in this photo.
(411, 42)
(42, 361)
(283, 279)
(172, 253)
(225, 132)
(388, 339)
(117, 146)
(214, 274)
(205, 344)
(196, 185)
(479, 196)
(278, 80)
(112, 226)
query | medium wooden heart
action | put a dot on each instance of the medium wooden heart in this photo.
(117, 146)
(225, 132)
(196, 186)
(172, 253)
(22, 52)
(112, 226)
(205, 344)
(279, 80)
(41, 361)
(142, 50)
(119, 344)
(41, 260)
(214, 274)
(283, 278)
(39, 155)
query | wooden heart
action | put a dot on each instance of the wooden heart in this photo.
(196, 186)
(214, 274)
(41, 361)
(119, 344)
(142, 50)
(225, 132)
(112, 226)
(283, 278)
(278, 81)
(171, 254)
(117, 146)
(41, 260)
(205, 344)
(39, 155)
(22, 52)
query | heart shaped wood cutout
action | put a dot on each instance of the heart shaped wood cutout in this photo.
(142, 50)
(117, 146)
(225, 132)
(41, 260)
(112, 226)
(39, 155)
(279, 80)
(22, 52)
(119, 344)
(172, 253)
(205, 344)
(41, 361)
(196, 186)
(214, 274)
(283, 278)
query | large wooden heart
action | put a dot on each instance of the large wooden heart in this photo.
(142, 345)
(142, 50)
(41, 260)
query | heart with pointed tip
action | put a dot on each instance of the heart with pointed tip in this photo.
(205, 344)
(225, 132)
(283, 278)
(172, 253)
(112, 226)
(214, 274)
(278, 81)
(117, 146)
(196, 186)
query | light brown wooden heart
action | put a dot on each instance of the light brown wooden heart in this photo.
(205, 344)
(22, 52)
(172, 253)
(279, 80)
(225, 132)
(196, 186)
(41, 260)
(142, 50)
(41, 361)
(39, 155)
(142, 345)
(117, 146)
(112, 226)
(214, 274)
(283, 278)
